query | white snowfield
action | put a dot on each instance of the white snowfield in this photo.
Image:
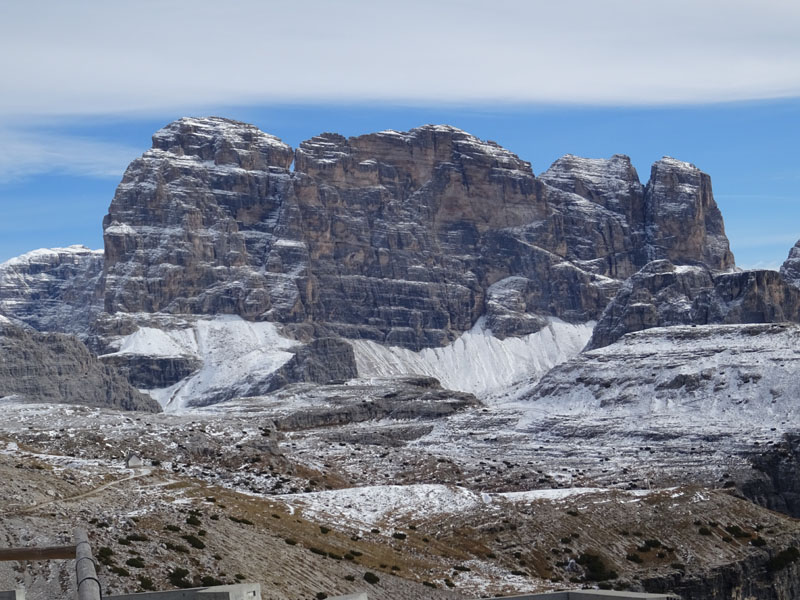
(478, 362)
(233, 352)
(390, 505)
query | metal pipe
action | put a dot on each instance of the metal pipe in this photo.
(85, 568)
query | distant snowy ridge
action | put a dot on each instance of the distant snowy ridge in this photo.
(477, 362)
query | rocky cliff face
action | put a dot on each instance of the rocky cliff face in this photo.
(790, 270)
(52, 367)
(402, 238)
(53, 289)
(662, 295)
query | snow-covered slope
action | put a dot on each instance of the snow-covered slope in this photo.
(732, 376)
(235, 357)
(478, 362)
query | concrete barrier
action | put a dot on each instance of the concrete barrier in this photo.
(239, 591)
(592, 595)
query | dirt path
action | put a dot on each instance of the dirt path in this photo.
(82, 496)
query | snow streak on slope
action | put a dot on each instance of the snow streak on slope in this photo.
(234, 354)
(478, 362)
(369, 506)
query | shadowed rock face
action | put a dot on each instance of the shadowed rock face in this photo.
(53, 289)
(405, 238)
(790, 270)
(663, 295)
(52, 367)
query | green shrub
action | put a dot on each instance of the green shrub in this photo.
(177, 577)
(634, 558)
(209, 581)
(104, 555)
(194, 542)
(595, 567)
(783, 559)
(736, 531)
(135, 562)
(146, 583)
(370, 577)
(193, 520)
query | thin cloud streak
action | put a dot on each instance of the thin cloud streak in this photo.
(24, 153)
(98, 57)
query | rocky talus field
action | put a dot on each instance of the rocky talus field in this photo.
(402, 363)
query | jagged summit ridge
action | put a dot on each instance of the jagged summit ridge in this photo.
(223, 141)
(417, 226)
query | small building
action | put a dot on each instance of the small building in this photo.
(13, 595)
(133, 461)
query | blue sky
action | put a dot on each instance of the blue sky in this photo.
(94, 81)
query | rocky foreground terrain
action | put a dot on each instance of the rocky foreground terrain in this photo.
(402, 363)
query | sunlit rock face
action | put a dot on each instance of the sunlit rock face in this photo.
(404, 238)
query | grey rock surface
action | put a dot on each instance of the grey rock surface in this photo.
(405, 238)
(53, 289)
(662, 295)
(54, 367)
(790, 269)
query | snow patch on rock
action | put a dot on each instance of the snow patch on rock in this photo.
(477, 362)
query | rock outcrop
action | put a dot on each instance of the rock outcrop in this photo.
(53, 289)
(662, 295)
(728, 369)
(54, 367)
(404, 238)
(790, 269)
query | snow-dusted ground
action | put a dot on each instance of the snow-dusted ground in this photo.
(393, 505)
(478, 362)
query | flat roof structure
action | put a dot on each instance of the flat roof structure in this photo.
(592, 595)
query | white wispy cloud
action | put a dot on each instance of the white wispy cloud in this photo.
(96, 56)
(25, 152)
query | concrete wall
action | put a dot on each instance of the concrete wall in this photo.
(240, 591)
(590, 595)
(14, 595)
(359, 596)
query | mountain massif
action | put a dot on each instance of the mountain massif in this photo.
(411, 339)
